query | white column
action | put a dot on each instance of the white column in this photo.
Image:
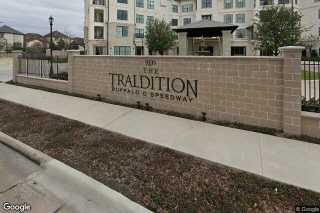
(226, 42)
(183, 43)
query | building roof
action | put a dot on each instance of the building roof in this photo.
(56, 34)
(10, 30)
(206, 28)
(34, 36)
(77, 41)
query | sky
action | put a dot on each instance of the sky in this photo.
(31, 16)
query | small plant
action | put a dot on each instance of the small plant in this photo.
(312, 105)
(148, 107)
(204, 116)
(312, 101)
(60, 76)
(139, 104)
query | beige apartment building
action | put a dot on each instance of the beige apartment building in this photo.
(117, 27)
(10, 38)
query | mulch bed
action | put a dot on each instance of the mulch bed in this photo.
(158, 178)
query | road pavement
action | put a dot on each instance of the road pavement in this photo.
(17, 186)
(54, 188)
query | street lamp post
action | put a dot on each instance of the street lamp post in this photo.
(51, 46)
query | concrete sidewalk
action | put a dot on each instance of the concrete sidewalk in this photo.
(284, 160)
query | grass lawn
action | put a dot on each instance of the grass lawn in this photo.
(158, 178)
(310, 75)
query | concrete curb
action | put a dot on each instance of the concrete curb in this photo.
(85, 190)
(72, 185)
(29, 152)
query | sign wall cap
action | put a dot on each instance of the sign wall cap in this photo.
(292, 48)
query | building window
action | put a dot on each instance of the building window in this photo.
(186, 21)
(150, 19)
(98, 2)
(175, 8)
(238, 51)
(206, 17)
(98, 32)
(206, 3)
(240, 3)
(186, 8)
(98, 15)
(241, 33)
(122, 50)
(122, 31)
(228, 4)
(140, 3)
(174, 22)
(17, 44)
(228, 19)
(150, 4)
(122, 15)
(140, 19)
(283, 2)
(123, 1)
(139, 33)
(266, 2)
(240, 18)
(99, 50)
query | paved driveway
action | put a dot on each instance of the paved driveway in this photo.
(5, 69)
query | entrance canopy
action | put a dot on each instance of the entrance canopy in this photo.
(206, 28)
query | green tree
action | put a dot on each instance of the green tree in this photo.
(61, 45)
(159, 36)
(278, 26)
(36, 48)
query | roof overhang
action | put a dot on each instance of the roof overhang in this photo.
(206, 29)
